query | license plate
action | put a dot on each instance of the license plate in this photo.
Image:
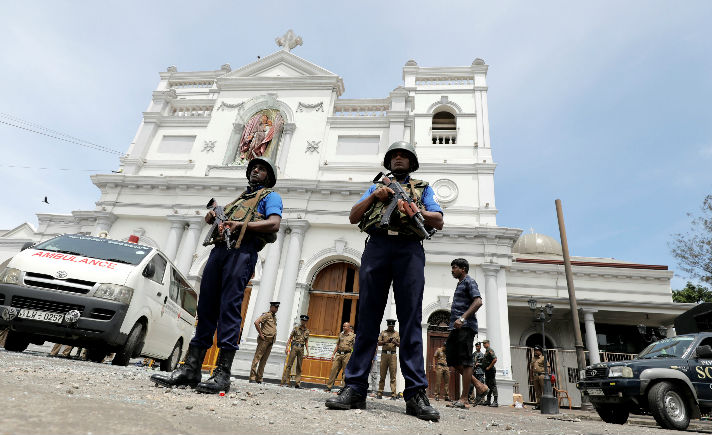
(595, 392)
(42, 316)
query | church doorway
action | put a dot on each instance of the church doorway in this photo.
(437, 334)
(333, 300)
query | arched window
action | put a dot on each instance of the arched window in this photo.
(444, 128)
(439, 320)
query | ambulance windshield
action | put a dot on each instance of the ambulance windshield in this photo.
(96, 247)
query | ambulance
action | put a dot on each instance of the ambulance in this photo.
(105, 295)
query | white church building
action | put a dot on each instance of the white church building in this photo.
(191, 146)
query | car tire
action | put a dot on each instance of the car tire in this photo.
(614, 414)
(669, 406)
(169, 364)
(126, 352)
(16, 342)
(97, 354)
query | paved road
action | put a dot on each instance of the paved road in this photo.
(56, 395)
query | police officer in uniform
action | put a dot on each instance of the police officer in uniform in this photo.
(255, 215)
(266, 326)
(297, 344)
(394, 255)
(442, 372)
(342, 353)
(389, 340)
(488, 362)
(537, 373)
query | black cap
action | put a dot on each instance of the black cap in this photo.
(537, 347)
(391, 322)
(479, 343)
(304, 317)
(274, 304)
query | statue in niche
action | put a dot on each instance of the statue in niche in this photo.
(261, 132)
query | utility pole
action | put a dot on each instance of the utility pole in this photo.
(578, 343)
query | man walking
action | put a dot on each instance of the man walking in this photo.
(393, 254)
(463, 327)
(255, 215)
(341, 354)
(298, 345)
(389, 340)
(266, 326)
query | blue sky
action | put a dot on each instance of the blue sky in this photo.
(605, 105)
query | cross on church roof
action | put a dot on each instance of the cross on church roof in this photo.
(289, 40)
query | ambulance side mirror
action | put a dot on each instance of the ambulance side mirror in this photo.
(149, 270)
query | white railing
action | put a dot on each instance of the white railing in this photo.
(447, 80)
(351, 110)
(190, 84)
(444, 137)
(198, 111)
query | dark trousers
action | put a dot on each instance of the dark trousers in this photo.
(389, 259)
(226, 274)
(491, 382)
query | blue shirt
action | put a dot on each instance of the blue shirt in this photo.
(465, 293)
(270, 204)
(428, 197)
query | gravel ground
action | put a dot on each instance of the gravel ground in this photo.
(57, 395)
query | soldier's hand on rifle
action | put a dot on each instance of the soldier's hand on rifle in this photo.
(383, 193)
(232, 225)
(409, 208)
(210, 217)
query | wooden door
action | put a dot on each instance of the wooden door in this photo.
(333, 300)
(436, 340)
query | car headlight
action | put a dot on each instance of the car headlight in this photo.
(114, 292)
(10, 275)
(620, 372)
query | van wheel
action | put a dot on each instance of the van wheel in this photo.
(668, 406)
(126, 352)
(612, 414)
(170, 364)
(97, 354)
(16, 342)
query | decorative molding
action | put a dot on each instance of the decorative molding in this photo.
(209, 146)
(312, 146)
(223, 106)
(317, 107)
(446, 191)
(289, 40)
(445, 101)
(324, 257)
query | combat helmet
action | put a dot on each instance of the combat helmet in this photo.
(405, 146)
(272, 172)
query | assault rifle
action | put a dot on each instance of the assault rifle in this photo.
(213, 235)
(390, 206)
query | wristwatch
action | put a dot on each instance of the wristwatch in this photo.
(462, 319)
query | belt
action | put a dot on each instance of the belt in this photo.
(297, 344)
(342, 352)
(389, 352)
(538, 373)
(442, 365)
(378, 232)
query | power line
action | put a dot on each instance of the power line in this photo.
(16, 122)
(51, 169)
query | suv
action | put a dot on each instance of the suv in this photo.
(670, 379)
(101, 294)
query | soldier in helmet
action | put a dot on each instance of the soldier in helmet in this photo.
(253, 218)
(394, 255)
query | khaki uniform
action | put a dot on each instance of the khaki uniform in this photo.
(298, 339)
(442, 372)
(3, 336)
(537, 370)
(268, 326)
(343, 353)
(389, 359)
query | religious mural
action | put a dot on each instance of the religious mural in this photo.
(261, 135)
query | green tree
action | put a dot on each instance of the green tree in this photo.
(692, 294)
(693, 249)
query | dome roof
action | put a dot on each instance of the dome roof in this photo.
(535, 243)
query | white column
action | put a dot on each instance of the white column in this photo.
(287, 134)
(287, 287)
(174, 235)
(591, 337)
(267, 282)
(184, 259)
(492, 309)
(104, 221)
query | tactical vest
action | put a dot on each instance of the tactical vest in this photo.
(400, 222)
(244, 208)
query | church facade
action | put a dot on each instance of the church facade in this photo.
(201, 127)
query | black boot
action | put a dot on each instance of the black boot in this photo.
(186, 374)
(347, 398)
(494, 404)
(220, 380)
(419, 406)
